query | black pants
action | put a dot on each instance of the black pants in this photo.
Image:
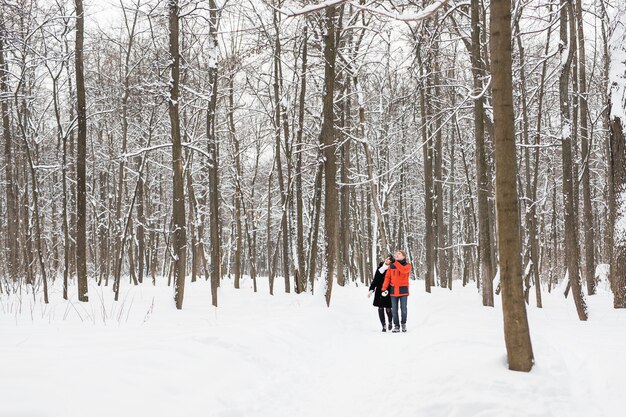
(381, 314)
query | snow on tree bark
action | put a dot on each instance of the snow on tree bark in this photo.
(617, 141)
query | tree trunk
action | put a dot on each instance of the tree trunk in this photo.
(81, 159)
(588, 222)
(141, 221)
(485, 247)
(442, 262)
(301, 280)
(516, 332)
(314, 233)
(617, 141)
(238, 174)
(428, 181)
(214, 196)
(179, 235)
(279, 166)
(327, 140)
(571, 241)
(12, 254)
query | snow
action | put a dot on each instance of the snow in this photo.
(602, 276)
(566, 130)
(425, 13)
(288, 355)
(564, 50)
(213, 55)
(619, 235)
(290, 11)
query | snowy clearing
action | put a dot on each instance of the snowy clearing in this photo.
(289, 355)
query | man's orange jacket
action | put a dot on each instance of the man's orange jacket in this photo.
(397, 279)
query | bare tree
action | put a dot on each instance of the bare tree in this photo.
(571, 241)
(516, 332)
(617, 141)
(81, 158)
(327, 141)
(179, 235)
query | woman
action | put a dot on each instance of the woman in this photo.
(396, 284)
(383, 303)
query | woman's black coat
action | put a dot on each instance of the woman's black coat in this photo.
(377, 284)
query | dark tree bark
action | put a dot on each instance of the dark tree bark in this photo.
(81, 158)
(485, 247)
(516, 332)
(238, 175)
(317, 214)
(327, 140)
(440, 228)
(571, 241)
(301, 273)
(214, 196)
(141, 221)
(588, 221)
(179, 235)
(617, 146)
(345, 258)
(618, 261)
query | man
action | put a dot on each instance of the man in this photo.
(397, 286)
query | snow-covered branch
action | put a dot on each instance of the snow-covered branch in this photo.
(425, 13)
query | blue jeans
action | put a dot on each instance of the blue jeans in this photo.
(394, 307)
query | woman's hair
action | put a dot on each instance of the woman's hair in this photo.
(403, 252)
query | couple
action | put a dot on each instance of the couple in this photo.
(390, 288)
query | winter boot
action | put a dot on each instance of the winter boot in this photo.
(403, 328)
(389, 326)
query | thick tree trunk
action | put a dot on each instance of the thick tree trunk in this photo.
(617, 142)
(485, 247)
(516, 332)
(81, 159)
(571, 241)
(327, 140)
(179, 235)
(588, 221)
(214, 195)
(618, 262)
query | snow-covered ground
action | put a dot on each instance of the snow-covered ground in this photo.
(288, 355)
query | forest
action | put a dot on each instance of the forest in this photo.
(294, 143)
